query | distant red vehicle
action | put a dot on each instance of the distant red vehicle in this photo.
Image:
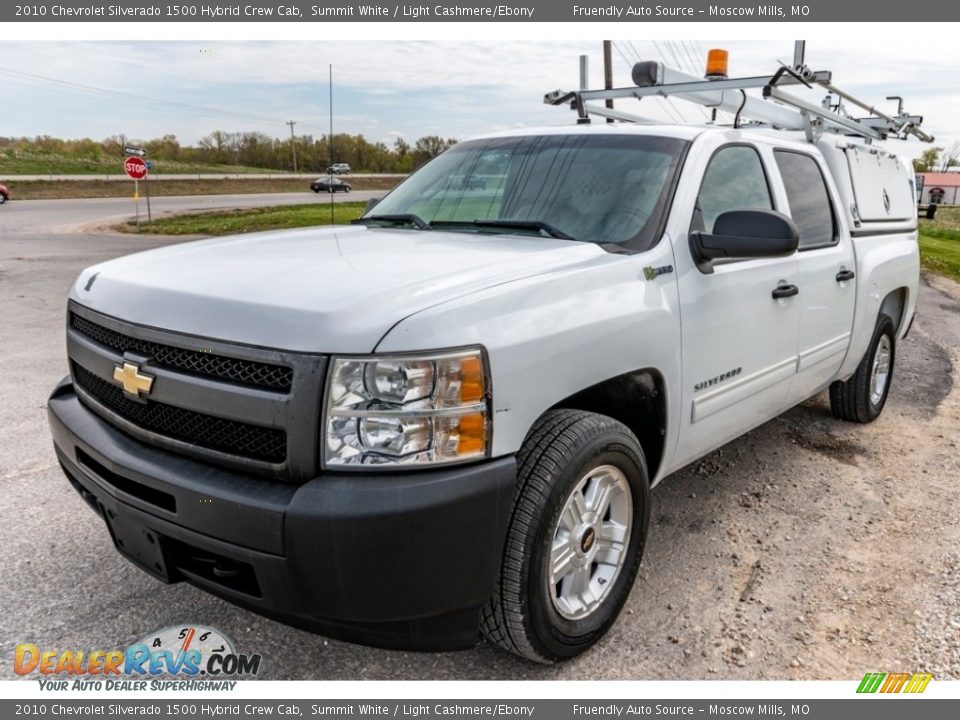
(4, 194)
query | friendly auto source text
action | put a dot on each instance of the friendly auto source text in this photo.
(617, 11)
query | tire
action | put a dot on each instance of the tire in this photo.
(569, 452)
(316, 190)
(862, 397)
(3, 198)
(347, 189)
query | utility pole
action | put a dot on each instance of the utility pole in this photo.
(330, 144)
(293, 143)
(608, 72)
(330, 104)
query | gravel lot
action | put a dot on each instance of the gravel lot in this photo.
(807, 549)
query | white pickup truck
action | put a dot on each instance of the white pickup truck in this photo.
(446, 419)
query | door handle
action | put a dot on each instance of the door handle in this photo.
(845, 275)
(785, 291)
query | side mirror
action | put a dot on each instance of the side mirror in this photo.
(371, 204)
(745, 234)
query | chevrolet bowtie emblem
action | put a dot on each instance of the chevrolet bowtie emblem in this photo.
(135, 383)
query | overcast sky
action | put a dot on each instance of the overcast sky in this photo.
(409, 89)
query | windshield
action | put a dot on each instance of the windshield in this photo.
(593, 188)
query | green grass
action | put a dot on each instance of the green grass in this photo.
(941, 254)
(17, 163)
(948, 218)
(940, 242)
(246, 220)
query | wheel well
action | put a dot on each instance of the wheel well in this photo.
(638, 399)
(894, 305)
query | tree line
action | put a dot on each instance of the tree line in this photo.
(250, 149)
(938, 159)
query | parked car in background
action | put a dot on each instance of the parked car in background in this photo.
(330, 185)
(4, 194)
(339, 169)
(468, 182)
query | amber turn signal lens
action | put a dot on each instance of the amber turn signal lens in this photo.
(716, 64)
(471, 380)
(473, 434)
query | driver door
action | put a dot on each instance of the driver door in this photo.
(739, 342)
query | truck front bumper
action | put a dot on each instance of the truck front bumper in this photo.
(403, 559)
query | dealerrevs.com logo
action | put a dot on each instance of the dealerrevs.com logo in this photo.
(199, 657)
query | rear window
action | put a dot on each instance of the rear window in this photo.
(809, 200)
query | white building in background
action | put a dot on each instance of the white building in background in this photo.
(942, 188)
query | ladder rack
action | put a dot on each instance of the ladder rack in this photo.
(777, 108)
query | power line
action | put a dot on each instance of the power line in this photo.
(169, 104)
(683, 63)
(668, 102)
(694, 70)
(200, 110)
(691, 57)
(663, 58)
(629, 64)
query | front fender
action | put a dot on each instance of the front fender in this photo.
(552, 335)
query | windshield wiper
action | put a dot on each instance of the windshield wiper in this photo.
(538, 225)
(397, 219)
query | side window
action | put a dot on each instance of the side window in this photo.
(810, 204)
(734, 180)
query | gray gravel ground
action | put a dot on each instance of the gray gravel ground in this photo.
(807, 549)
(938, 632)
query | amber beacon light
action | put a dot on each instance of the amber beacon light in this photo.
(716, 64)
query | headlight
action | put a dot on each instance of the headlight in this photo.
(416, 410)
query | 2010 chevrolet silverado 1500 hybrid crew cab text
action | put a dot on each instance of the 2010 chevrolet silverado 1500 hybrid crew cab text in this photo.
(446, 419)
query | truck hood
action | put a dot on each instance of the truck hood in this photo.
(333, 290)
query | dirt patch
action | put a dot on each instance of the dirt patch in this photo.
(923, 372)
(842, 450)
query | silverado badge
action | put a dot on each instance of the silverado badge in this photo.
(136, 385)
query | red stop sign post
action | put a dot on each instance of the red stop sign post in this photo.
(137, 169)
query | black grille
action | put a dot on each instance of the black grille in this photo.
(213, 433)
(204, 364)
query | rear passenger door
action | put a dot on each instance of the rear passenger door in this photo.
(827, 265)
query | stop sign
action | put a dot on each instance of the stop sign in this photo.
(135, 167)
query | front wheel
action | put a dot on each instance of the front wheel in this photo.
(3, 198)
(862, 397)
(575, 539)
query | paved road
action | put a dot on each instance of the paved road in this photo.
(31, 217)
(807, 549)
(160, 176)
